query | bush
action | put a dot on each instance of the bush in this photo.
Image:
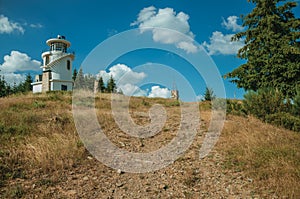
(264, 102)
(296, 104)
(235, 107)
(285, 120)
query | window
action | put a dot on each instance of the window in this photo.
(64, 87)
(68, 64)
(47, 60)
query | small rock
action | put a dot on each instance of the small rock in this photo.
(119, 171)
(122, 144)
(89, 157)
(85, 178)
(119, 184)
(72, 192)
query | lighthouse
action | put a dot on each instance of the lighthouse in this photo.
(57, 67)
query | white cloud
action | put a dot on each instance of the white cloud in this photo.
(17, 62)
(7, 26)
(161, 21)
(222, 44)
(231, 24)
(38, 25)
(132, 90)
(12, 78)
(125, 78)
(156, 91)
(122, 74)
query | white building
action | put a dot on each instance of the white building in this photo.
(57, 67)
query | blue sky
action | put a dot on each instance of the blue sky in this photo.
(26, 25)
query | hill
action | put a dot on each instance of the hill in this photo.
(42, 156)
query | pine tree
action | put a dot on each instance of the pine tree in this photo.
(79, 83)
(272, 48)
(101, 86)
(74, 75)
(3, 87)
(209, 94)
(27, 83)
(111, 85)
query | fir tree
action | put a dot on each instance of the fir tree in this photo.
(111, 85)
(272, 48)
(209, 94)
(101, 86)
(74, 75)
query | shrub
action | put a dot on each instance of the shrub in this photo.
(296, 104)
(264, 102)
(285, 120)
(235, 107)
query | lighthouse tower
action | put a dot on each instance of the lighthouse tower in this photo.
(57, 67)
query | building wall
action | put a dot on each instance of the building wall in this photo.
(61, 71)
(45, 81)
(57, 85)
(37, 88)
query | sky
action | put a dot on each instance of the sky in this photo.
(148, 46)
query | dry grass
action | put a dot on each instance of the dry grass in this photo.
(38, 136)
(268, 155)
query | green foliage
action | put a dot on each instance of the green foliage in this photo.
(235, 107)
(4, 87)
(285, 120)
(74, 74)
(84, 81)
(79, 81)
(17, 191)
(296, 104)
(209, 94)
(101, 86)
(264, 102)
(111, 85)
(23, 87)
(272, 48)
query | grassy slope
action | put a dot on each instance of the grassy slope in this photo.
(38, 138)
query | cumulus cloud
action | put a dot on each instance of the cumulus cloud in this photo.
(132, 90)
(125, 78)
(18, 62)
(157, 91)
(14, 64)
(7, 26)
(160, 21)
(12, 78)
(122, 74)
(231, 24)
(222, 44)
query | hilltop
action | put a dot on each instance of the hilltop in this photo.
(42, 156)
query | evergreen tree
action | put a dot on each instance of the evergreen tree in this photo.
(111, 85)
(101, 86)
(74, 75)
(80, 79)
(27, 83)
(89, 81)
(296, 104)
(3, 87)
(209, 94)
(272, 48)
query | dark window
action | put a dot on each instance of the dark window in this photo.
(64, 87)
(68, 65)
(47, 60)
